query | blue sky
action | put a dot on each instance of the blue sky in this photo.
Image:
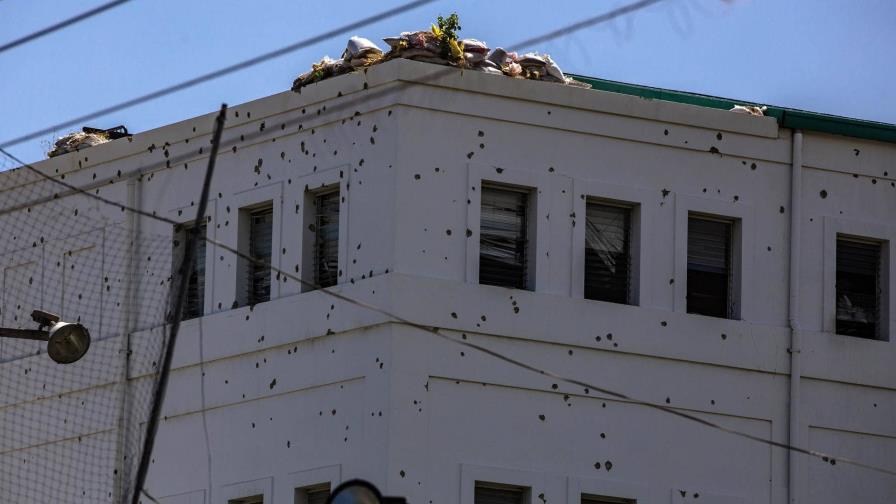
(833, 56)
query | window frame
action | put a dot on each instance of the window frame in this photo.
(865, 231)
(243, 284)
(322, 180)
(180, 232)
(743, 250)
(734, 272)
(309, 231)
(539, 277)
(577, 486)
(529, 236)
(633, 247)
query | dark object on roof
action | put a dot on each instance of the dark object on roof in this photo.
(112, 133)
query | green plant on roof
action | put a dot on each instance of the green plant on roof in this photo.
(446, 32)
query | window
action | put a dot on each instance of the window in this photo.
(604, 499)
(608, 252)
(858, 288)
(504, 238)
(255, 499)
(709, 282)
(313, 494)
(194, 299)
(256, 241)
(496, 493)
(326, 238)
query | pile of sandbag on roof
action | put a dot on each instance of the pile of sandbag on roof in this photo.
(440, 46)
(76, 141)
(87, 137)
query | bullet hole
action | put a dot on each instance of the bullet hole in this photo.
(287, 444)
(608, 465)
(666, 192)
(499, 170)
(874, 181)
(541, 417)
(753, 166)
(272, 384)
(823, 194)
(666, 132)
(234, 149)
(597, 465)
(781, 209)
(704, 189)
(372, 141)
(448, 232)
(333, 412)
(696, 495)
(718, 136)
(663, 323)
(549, 112)
(569, 352)
(683, 493)
(668, 400)
(554, 386)
(769, 248)
(724, 336)
(597, 338)
(482, 146)
(416, 176)
(856, 151)
(712, 401)
(671, 281)
(453, 315)
(462, 354)
(516, 309)
(401, 473)
(736, 197)
(714, 150)
(609, 336)
(550, 169)
(470, 155)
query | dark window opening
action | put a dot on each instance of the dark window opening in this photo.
(503, 238)
(326, 239)
(194, 298)
(255, 499)
(605, 499)
(496, 493)
(313, 494)
(858, 288)
(709, 267)
(260, 241)
(608, 253)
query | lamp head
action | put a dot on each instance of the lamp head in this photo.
(355, 491)
(68, 342)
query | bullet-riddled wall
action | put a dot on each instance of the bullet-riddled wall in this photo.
(307, 389)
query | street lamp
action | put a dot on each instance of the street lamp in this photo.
(66, 341)
(358, 491)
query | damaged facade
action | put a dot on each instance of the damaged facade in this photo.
(642, 245)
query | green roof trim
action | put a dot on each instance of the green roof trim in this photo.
(786, 117)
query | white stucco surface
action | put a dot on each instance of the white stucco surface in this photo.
(306, 388)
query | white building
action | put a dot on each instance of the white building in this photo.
(648, 243)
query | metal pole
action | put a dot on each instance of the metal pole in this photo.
(32, 334)
(186, 267)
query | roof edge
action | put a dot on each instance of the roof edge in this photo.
(786, 117)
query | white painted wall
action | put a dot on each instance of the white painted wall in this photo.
(357, 396)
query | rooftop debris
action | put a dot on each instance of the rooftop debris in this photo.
(440, 46)
(87, 137)
(750, 109)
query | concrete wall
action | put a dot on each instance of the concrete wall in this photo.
(305, 388)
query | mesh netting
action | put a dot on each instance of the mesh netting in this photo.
(73, 433)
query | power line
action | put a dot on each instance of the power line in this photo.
(62, 24)
(829, 458)
(341, 30)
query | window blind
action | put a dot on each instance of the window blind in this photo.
(503, 238)
(195, 294)
(602, 499)
(488, 494)
(326, 239)
(858, 288)
(709, 267)
(260, 240)
(607, 253)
